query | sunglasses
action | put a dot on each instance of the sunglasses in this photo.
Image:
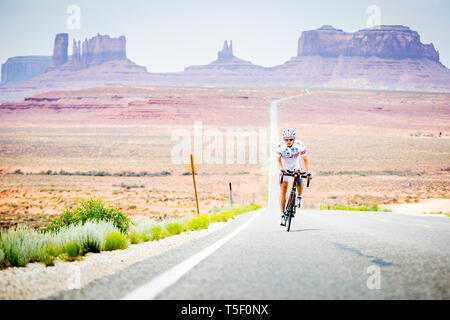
(288, 139)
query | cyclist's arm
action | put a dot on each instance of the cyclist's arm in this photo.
(306, 159)
(280, 165)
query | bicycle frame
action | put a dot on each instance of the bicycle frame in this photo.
(290, 206)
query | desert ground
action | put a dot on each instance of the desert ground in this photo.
(374, 147)
(365, 148)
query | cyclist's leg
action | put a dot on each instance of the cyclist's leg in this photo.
(300, 187)
(283, 189)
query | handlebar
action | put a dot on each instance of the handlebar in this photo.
(294, 174)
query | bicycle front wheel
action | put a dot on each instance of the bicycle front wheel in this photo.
(288, 222)
(289, 209)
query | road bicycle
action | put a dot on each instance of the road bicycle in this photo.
(289, 212)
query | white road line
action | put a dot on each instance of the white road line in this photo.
(151, 289)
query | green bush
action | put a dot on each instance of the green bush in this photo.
(134, 237)
(20, 245)
(90, 244)
(55, 250)
(91, 210)
(144, 237)
(39, 254)
(199, 222)
(185, 225)
(83, 231)
(174, 228)
(71, 249)
(2, 259)
(228, 214)
(156, 233)
(115, 240)
(89, 237)
(231, 212)
(48, 260)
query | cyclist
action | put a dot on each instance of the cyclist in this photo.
(290, 153)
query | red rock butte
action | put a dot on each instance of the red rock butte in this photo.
(384, 57)
(390, 42)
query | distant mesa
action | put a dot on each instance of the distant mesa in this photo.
(226, 55)
(385, 57)
(94, 51)
(225, 61)
(22, 68)
(91, 52)
(60, 49)
(97, 50)
(389, 42)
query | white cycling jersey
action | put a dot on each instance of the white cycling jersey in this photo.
(291, 158)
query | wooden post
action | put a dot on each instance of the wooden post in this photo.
(195, 186)
(231, 196)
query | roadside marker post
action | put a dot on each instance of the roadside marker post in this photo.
(195, 186)
(231, 196)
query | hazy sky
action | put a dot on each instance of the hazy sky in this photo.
(170, 35)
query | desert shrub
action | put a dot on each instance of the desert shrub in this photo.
(90, 244)
(48, 260)
(2, 259)
(55, 250)
(254, 206)
(157, 174)
(144, 225)
(19, 245)
(89, 237)
(115, 240)
(22, 245)
(144, 237)
(222, 216)
(39, 253)
(134, 237)
(174, 228)
(160, 227)
(215, 218)
(156, 233)
(228, 214)
(199, 222)
(90, 210)
(231, 212)
(71, 249)
(165, 233)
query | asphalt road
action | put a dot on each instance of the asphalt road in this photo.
(327, 255)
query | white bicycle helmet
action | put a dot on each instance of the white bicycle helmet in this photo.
(288, 132)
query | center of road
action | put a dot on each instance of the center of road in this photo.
(151, 289)
(273, 170)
